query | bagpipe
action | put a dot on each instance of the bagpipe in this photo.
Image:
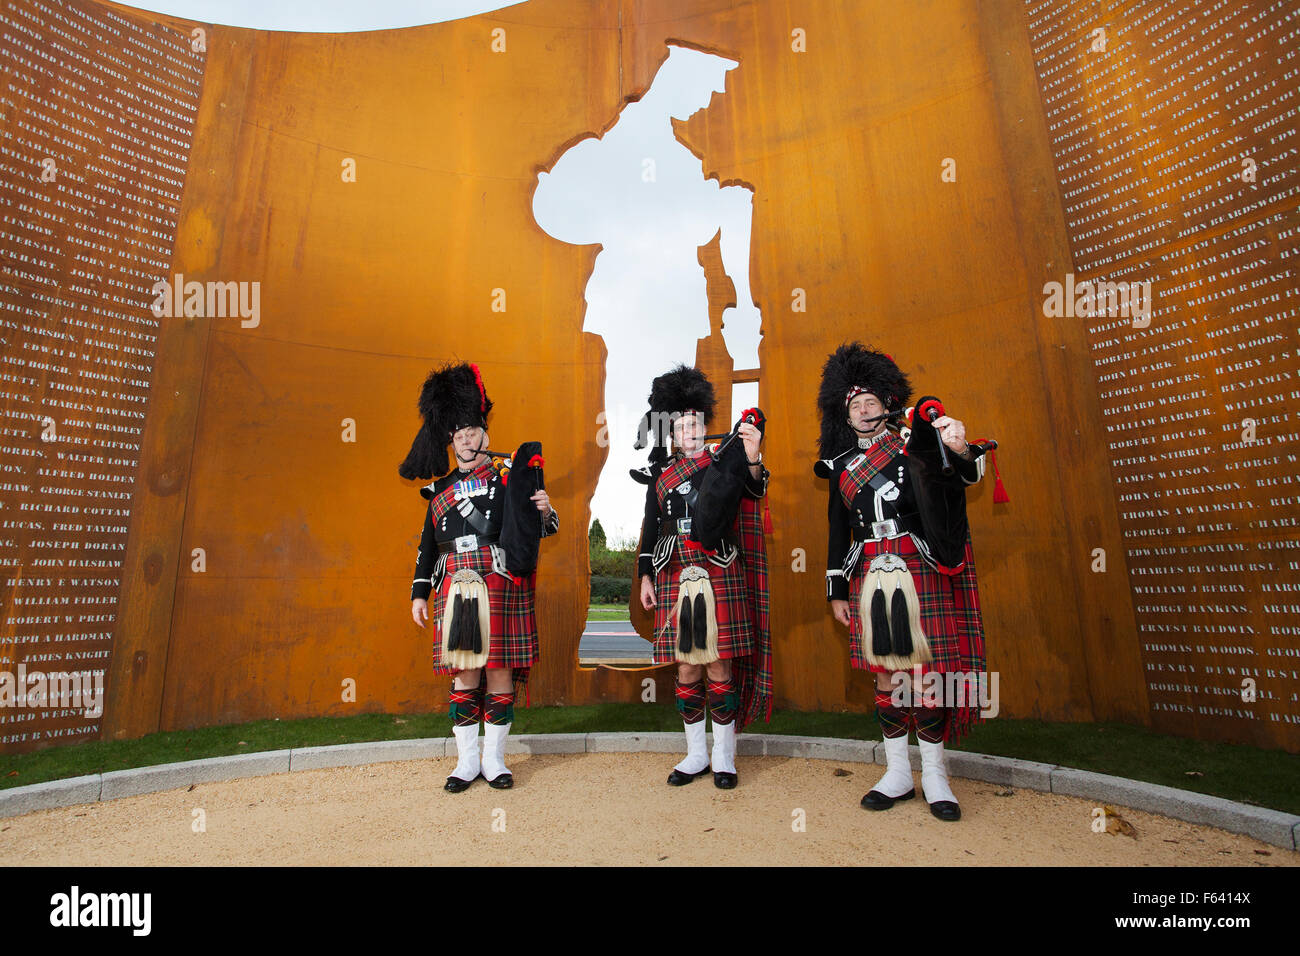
(715, 510)
(521, 522)
(938, 491)
(825, 467)
(720, 491)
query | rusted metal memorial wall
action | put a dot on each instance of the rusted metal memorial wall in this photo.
(274, 565)
(369, 195)
(96, 115)
(1175, 132)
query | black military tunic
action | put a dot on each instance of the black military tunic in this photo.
(462, 526)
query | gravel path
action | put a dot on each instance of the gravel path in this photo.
(599, 809)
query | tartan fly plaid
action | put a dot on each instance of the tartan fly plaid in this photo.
(677, 472)
(476, 481)
(753, 674)
(873, 460)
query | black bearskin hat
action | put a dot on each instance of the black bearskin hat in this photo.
(452, 397)
(674, 392)
(849, 367)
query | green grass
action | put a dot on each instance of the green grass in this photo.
(607, 612)
(1267, 778)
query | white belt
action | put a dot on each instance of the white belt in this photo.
(888, 528)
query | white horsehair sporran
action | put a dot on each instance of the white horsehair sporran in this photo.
(467, 622)
(694, 617)
(889, 613)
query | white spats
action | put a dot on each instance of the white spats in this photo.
(494, 750)
(898, 770)
(697, 752)
(467, 759)
(724, 747)
(934, 774)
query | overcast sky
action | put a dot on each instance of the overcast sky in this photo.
(321, 16)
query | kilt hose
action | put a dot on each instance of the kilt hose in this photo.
(513, 619)
(735, 625)
(950, 618)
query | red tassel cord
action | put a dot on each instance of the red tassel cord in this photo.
(999, 493)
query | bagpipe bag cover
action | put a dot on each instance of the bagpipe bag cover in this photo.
(720, 491)
(521, 524)
(940, 498)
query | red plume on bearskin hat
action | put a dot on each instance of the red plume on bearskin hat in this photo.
(848, 366)
(451, 398)
(674, 392)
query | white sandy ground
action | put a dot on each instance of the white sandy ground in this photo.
(602, 809)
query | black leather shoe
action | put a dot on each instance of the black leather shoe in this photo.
(875, 800)
(679, 779)
(457, 785)
(945, 810)
(503, 782)
(725, 781)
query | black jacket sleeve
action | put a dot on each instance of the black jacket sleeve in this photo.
(425, 558)
(969, 471)
(838, 536)
(756, 487)
(649, 530)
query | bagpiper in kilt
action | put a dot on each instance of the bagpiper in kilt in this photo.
(703, 570)
(477, 558)
(906, 609)
(513, 618)
(666, 552)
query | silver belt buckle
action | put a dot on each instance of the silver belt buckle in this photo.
(884, 529)
(466, 542)
(683, 525)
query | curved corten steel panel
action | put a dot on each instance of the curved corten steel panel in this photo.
(1197, 227)
(97, 113)
(308, 537)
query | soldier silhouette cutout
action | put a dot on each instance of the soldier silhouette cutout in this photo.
(641, 194)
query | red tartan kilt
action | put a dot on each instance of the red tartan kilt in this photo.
(735, 624)
(939, 614)
(514, 623)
